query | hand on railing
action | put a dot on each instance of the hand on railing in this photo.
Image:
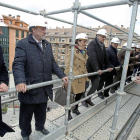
(137, 56)
(137, 80)
(100, 72)
(21, 87)
(110, 69)
(3, 87)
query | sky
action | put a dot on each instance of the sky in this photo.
(116, 15)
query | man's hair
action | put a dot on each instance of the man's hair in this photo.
(31, 29)
(76, 41)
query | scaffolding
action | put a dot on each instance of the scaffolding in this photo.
(77, 8)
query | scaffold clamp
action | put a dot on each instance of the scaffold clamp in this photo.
(113, 131)
(120, 93)
(67, 107)
(42, 12)
(73, 8)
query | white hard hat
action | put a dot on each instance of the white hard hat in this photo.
(133, 45)
(38, 21)
(138, 46)
(2, 21)
(102, 32)
(115, 40)
(125, 45)
(82, 36)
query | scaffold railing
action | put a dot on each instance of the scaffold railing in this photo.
(77, 8)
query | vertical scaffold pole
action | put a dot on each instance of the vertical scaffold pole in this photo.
(125, 67)
(67, 108)
(110, 36)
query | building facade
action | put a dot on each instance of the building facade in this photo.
(15, 30)
(61, 38)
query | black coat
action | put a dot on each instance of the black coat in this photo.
(32, 66)
(112, 55)
(97, 57)
(3, 69)
(3, 75)
(3, 78)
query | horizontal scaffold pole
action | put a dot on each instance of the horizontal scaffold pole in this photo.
(17, 8)
(101, 5)
(92, 16)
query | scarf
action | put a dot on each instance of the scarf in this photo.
(82, 51)
(101, 44)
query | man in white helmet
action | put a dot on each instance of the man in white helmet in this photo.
(97, 58)
(121, 56)
(34, 63)
(4, 81)
(107, 78)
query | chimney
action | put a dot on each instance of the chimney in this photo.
(9, 15)
(18, 17)
(98, 27)
(13, 16)
(127, 28)
(121, 26)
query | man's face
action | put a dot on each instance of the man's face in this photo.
(115, 45)
(39, 33)
(1, 31)
(101, 38)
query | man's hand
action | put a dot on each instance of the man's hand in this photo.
(3, 87)
(110, 69)
(21, 88)
(137, 56)
(137, 80)
(65, 80)
(100, 72)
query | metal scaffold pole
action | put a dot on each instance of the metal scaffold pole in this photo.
(110, 36)
(125, 67)
(75, 8)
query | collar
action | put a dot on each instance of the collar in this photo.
(36, 39)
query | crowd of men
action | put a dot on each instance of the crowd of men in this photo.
(34, 63)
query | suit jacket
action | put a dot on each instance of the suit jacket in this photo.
(79, 68)
(31, 66)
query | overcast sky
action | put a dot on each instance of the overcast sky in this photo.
(116, 15)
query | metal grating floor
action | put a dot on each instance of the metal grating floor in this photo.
(135, 134)
(95, 128)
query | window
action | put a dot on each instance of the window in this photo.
(63, 46)
(59, 45)
(70, 39)
(10, 22)
(63, 51)
(62, 63)
(21, 25)
(52, 39)
(17, 33)
(62, 57)
(59, 39)
(58, 62)
(22, 34)
(16, 41)
(63, 40)
(27, 34)
(58, 56)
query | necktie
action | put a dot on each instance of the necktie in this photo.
(39, 43)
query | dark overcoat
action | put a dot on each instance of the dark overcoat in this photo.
(97, 57)
(3, 78)
(32, 66)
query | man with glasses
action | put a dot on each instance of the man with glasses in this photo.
(97, 58)
(34, 63)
